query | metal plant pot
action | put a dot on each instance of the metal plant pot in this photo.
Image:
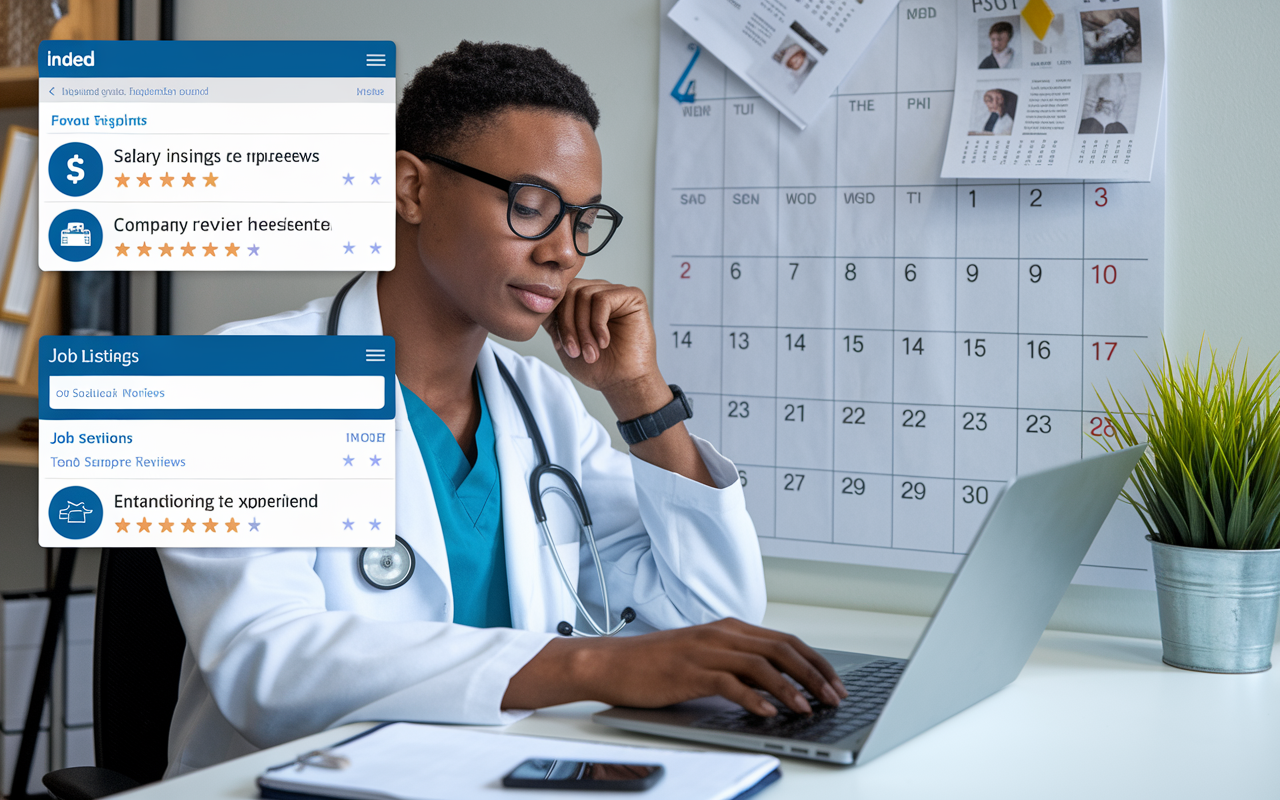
(1217, 607)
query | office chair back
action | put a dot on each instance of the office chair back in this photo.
(137, 657)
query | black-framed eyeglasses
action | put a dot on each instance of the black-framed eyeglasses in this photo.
(534, 211)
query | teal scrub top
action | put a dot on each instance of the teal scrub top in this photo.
(469, 501)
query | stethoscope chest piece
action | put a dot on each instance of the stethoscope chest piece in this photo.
(387, 567)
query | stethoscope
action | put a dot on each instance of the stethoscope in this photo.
(391, 567)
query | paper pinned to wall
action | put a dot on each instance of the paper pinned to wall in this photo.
(794, 53)
(1057, 89)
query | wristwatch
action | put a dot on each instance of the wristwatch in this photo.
(637, 430)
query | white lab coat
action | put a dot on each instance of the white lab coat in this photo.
(282, 643)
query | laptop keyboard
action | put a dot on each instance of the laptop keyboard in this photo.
(869, 686)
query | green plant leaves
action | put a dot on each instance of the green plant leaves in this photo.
(1211, 475)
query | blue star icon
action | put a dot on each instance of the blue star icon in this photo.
(375, 461)
(375, 247)
(346, 179)
(346, 462)
(375, 525)
(253, 249)
(253, 526)
(348, 248)
(346, 525)
(375, 178)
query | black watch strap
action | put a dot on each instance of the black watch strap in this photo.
(650, 425)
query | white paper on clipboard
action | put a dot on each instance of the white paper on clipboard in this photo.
(793, 52)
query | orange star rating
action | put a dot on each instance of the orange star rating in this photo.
(232, 250)
(166, 250)
(211, 179)
(188, 526)
(144, 180)
(166, 180)
(144, 526)
(233, 526)
(166, 526)
(189, 250)
(143, 250)
(210, 249)
(189, 180)
(122, 250)
(122, 180)
(122, 526)
(210, 525)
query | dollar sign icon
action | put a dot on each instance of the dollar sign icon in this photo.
(75, 175)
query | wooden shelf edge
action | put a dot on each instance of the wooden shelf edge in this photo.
(16, 453)
(19, 86)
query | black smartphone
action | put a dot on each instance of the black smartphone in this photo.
(554, 773)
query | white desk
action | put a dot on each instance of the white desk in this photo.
(1090, 716)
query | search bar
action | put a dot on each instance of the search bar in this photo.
(227, 392)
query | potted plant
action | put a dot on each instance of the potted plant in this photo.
(1208, 491)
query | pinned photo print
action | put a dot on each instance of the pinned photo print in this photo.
(998, 42)
(796, 61)
(1110, 103)
(1112, 37)
(994, 110)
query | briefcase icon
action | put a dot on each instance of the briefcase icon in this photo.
(74, 235)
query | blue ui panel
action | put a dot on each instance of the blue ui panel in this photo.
(216, 155)
(217, 441)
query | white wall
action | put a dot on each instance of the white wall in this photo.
(1221, 227)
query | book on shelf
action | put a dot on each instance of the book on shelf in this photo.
(22, 273)
(24, 289)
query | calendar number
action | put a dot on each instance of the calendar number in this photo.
(853, 486)
(909, 272)
(795, 413)
(971, 272)
(851, 271)
(791, 482)
(975, 494)
(1101, 199)
(913, 491)
(1102, 427)
(913, 418)
(684, 270)
(917, 347)
(1036, 273)
(795, 267)
(739, 340)
(735, 270)
(1105, 274)
(742, 477)
(1103, 351)
(739, 409)
(973, 198)
(797, 344)
(975, 347)
(1036, 194)
(975, 420)
(1038, 349)
(683, 339)
(853, 344)
(854, 415)
(1039, 423)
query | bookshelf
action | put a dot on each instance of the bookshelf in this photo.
(85, 19)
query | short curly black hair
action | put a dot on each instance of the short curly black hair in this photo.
(462, 90)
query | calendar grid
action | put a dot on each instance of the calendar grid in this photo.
(936, 388)
(893, 378)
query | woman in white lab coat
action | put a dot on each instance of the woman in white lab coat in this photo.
(286, 642)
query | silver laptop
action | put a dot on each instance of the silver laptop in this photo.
(981, 635)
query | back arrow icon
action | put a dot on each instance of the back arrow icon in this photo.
(51, 91)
